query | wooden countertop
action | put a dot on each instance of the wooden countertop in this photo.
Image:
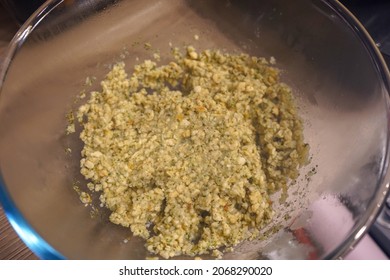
(11, 246)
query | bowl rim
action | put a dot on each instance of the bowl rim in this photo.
(383, 190)
(45, 251)
(25, 231)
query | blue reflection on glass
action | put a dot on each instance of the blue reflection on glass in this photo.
(29, 236)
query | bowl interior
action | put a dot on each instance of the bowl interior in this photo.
(337, 84)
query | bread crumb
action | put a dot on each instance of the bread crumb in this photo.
(157, 56)
(191, 150)
(70, 129)
(152, 258)
(85, 198)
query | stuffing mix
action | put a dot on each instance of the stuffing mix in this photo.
(186, 154)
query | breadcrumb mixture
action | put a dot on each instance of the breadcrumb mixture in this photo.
(187, 154)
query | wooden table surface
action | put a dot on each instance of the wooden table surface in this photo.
(11, 246)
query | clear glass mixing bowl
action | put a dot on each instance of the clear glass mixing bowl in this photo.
(340, 82)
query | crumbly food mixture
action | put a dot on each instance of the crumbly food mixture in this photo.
(187, 154)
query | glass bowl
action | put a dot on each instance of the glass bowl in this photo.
(340, 83)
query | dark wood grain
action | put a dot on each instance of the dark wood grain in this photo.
(11, 246)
